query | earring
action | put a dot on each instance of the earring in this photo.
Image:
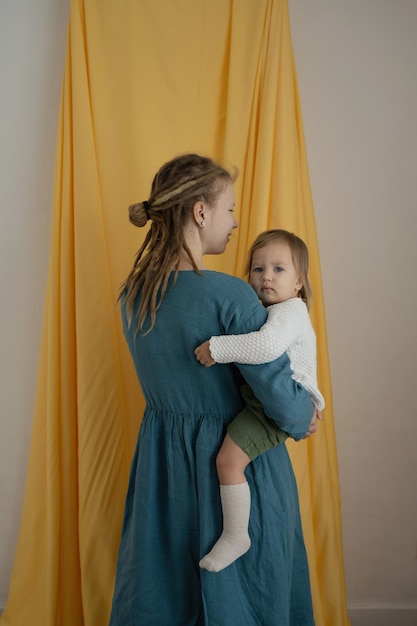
(202, 223)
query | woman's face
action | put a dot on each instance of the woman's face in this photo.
(220, 221)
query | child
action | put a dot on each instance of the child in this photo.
(278, 272)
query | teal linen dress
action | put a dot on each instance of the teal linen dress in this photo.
(172, 513)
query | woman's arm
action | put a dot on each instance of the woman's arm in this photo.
(284, 400)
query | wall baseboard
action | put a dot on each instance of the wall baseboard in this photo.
(383, 616)
(372, 616)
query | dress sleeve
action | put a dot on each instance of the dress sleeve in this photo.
(285, 400)
(280, 331)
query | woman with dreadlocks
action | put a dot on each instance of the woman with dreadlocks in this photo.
(170, 303)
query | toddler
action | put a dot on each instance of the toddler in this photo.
(278, 271)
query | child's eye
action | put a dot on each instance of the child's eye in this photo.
(278, 269)
(256, 269)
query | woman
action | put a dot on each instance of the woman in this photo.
(170, 304)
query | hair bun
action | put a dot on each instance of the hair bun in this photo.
(138, 215)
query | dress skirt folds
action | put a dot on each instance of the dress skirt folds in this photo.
(172, 514)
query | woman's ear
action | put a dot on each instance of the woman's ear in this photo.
(199, 213)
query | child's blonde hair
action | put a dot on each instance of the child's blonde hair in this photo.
(299, 253)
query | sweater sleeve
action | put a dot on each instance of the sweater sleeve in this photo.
(280, 331)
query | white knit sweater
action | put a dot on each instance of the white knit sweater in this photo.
(287, 329)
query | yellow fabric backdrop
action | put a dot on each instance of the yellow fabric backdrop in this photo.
(145, 80)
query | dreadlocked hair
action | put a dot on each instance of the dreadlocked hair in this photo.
(177, 186)
(299, 253)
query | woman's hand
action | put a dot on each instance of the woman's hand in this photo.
(314, 424)
(203, 354)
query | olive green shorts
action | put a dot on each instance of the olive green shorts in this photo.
(252, 430)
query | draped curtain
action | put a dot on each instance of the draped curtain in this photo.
(144, 81)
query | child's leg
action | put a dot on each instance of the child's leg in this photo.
(250, 434)
(231, 463)
(234, 541)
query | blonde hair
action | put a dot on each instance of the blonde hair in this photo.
(299, 253)
(176, 187)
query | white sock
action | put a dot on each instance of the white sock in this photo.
(234, 540)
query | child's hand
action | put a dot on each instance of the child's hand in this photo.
(203, 354)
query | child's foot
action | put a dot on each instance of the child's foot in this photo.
(224, 552)
(234, 540)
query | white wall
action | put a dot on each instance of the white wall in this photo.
(356, 64)
(32, 53)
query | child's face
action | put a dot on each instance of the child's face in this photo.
(273, 274)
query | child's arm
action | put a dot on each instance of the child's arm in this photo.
(282, 328)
